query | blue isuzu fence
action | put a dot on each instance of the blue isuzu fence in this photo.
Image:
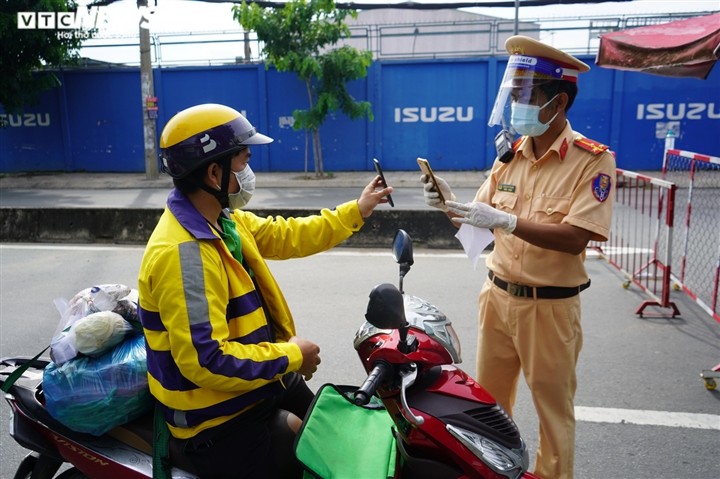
(436, 109)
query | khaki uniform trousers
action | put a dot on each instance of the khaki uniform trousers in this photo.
(542, 338)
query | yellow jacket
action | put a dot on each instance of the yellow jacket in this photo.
(213, 352)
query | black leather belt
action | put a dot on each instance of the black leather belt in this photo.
(542, 292)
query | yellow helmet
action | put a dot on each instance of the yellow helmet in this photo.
(202, 133)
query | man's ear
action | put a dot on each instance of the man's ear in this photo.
(213, 175)
(562, 102)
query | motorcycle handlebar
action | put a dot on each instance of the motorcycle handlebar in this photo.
(375, 378)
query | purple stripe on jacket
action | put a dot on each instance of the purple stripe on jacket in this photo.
(245, 304)
(150, 320)
(212, 358)
(162, 367)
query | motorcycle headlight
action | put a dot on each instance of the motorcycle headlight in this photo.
(423, 315)
(511, 463)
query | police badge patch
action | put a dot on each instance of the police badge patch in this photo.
(601, 187)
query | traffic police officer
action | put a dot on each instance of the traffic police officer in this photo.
(545, 201)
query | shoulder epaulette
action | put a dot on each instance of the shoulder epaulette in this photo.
(590, 145)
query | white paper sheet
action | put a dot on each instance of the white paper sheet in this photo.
(474, 241)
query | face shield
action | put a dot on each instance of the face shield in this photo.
(522, 74)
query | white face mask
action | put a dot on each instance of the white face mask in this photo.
(525, 119)
(246, 180)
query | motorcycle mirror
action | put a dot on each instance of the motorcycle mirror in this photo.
(386, 309)
(402, 248)
(403, 253)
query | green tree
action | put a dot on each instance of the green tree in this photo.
(302, 37)
(27, 55)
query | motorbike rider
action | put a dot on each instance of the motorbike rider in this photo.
(224, 361)
(545, 200)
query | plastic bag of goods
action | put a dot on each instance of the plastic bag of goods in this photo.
(95, 395)
(93, 321)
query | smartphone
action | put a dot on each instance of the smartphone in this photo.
(425, 168)
(379, 170)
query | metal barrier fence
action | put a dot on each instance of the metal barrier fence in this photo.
(696, 263)
(640, 243)
(647, 247)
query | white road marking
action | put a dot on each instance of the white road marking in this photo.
(376, 252)
(68, 247)
(647, 418)
(338, 251)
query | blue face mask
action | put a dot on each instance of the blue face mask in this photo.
(525, 119)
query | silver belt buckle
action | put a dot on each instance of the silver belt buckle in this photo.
(514, 289)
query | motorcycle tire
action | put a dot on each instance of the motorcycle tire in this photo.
(26, 467)
(72, 473)
(34, 465)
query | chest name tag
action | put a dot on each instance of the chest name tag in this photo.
(505, 187)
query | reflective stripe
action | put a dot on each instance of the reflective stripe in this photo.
(193, 281)
(179, 419)
(193, 417)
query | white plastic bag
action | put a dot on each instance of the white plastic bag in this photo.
(97, 332)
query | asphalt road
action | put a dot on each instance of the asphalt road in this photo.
(629, 368)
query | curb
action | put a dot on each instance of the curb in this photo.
(428, 229)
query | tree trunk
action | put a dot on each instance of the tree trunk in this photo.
(317, 149)
(306, 154)
(317, 145)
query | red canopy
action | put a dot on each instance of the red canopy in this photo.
(683, 48)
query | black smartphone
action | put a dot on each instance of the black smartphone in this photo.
(379, 170)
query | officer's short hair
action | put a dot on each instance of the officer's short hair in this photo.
(554, 87)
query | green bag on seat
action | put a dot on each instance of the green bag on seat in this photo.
(340, 440)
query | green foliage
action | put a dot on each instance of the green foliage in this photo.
(302, 38)
(335, 69)
(27, 53)
(294, 35)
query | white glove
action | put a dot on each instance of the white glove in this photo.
(432, 198)
(482, 216)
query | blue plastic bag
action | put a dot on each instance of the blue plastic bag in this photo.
(95, 395)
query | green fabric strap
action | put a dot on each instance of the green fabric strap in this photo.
(231, 238)
(19, 372)
(161, 447)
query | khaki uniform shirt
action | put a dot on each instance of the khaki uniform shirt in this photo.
(569, 184)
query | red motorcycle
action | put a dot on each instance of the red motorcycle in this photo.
(444, 424)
